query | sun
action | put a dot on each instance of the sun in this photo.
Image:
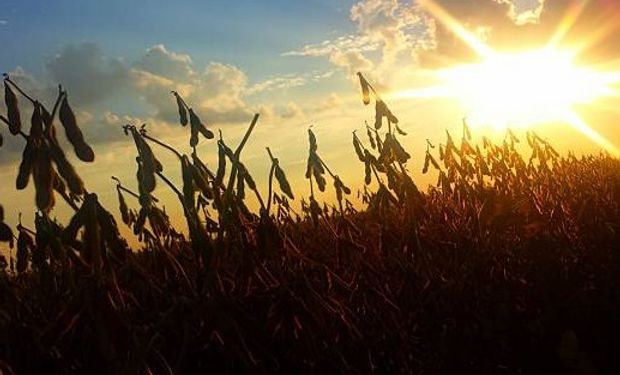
(523, 89)
(519, 89)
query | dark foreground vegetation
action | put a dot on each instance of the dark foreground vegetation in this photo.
(511, 264)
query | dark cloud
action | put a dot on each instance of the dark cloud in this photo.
(87, 74)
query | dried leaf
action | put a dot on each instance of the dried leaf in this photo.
(312, 141)
(367, 171)
(283, 182)
(6, 234)
(24, 245)
(43, 179)
(205, 132)
(466, 132)
(123, 207)
(66, 170)
(358, 148)
(221, 164)
(29, 156)
(427, 161)
(140, 221)
(365, 89)
(182, 109)
(371, 138)
(36, 124)
(10, 99)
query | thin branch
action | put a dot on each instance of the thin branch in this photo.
(6, 121)
(170, 184)
(61, 94)
(271, 173)
(260, 199)
(169, 148)
(326, 167)
(237, 154)
(246, 136)
(67, 199)
(270, 154)
(133, 194)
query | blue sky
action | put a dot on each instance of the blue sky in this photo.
(250, 34)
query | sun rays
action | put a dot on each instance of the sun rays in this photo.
(525, 88)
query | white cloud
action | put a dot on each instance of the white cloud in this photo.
(277, 83)
(352, 61)
(4, 22)
(343, 43)
(159, 61)
(287, 81)
(333, 101)
(292, 110)
(387, 31)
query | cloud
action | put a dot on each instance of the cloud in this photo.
(287, 81)
(388, 31)
(4, 22)
(351, 61)
(343, 43)
(217, 91)
(159, 61)
(394, 35)
(31, 84)
(220, 93)
(385, 23)
(87, 74)
(277, 83)
(333, 101)
(293, 110)
(525, 11)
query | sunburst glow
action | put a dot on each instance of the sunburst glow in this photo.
(520, 89)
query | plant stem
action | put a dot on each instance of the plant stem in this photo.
(326, 167)
(68, 200)
(271, 172)
(237, 154)
(169, 148)
(171, 185)
(57, 104)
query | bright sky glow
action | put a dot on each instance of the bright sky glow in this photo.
(519, 89)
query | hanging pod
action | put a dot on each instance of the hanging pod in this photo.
(10, 99)
(67, 118)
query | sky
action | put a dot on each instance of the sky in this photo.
(292, 62)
